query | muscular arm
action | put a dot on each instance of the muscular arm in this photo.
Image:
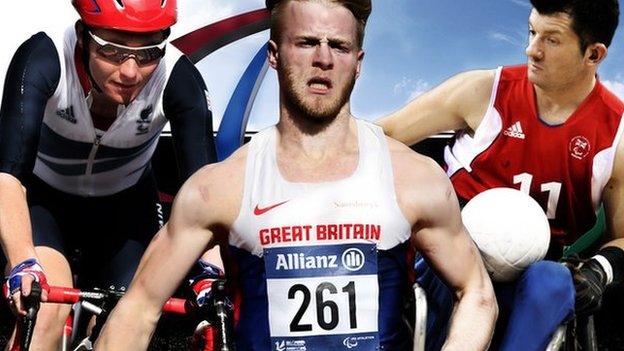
(613, 198)
(458, 103)
(186, 105)
(31, 79)
(203, 208)
(442, 239)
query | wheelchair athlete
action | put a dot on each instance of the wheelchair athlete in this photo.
(553, 130)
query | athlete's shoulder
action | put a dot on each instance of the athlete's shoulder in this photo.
(421, 185)
(38, 54)
(613, 103)
(410, 166)
(473, 84)
(225, 171)
(213, 194)
(511, 73)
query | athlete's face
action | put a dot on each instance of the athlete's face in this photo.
(317, 58)
(121, 82)
(554, 57)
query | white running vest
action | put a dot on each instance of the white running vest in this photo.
(72, 158)
(319, 244)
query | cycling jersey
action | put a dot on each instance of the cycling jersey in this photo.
(46, 126)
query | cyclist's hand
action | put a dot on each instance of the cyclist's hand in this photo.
(19, 283)
(590, 281)
(204, 275)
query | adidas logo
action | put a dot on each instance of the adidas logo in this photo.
(515, 131)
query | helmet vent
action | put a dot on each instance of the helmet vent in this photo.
(120, 5)
(163, 3)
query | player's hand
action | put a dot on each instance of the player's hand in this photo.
(18, 284)
(204, 276)
(590, 281)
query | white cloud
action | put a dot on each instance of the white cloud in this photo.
(499, 36)
(524, 3)
(420, 88)
(615, 87)
(411, 88)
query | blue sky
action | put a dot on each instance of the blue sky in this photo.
(411, 46)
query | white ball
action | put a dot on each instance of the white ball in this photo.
(510, 229)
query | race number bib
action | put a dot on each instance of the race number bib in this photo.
(323, 297)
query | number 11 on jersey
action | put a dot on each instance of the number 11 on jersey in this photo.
(552, 188)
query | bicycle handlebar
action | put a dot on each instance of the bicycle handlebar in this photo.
(64, 295)
(106, 299)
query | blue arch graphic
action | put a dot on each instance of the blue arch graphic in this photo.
(231, 132)
(202, 42)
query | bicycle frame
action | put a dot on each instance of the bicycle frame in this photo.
(100, 302)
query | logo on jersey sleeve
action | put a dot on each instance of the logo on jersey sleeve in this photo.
(515, 131)
(579, 147)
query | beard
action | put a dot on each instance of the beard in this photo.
(319, 109)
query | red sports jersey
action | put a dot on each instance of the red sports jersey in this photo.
(564, 167)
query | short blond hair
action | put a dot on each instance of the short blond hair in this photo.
(361, 10)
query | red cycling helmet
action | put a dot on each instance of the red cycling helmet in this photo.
(127, 15)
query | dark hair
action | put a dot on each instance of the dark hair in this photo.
(360, 9)
(594, 21)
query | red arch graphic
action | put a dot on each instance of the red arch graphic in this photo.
(204, 41)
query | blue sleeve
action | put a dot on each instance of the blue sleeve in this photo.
(31, 80)
(185, 105)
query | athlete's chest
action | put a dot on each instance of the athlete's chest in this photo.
(325, 214)
(527, 144)
(68, 115)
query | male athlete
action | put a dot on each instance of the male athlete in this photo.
(319, 210)
(552, 130)
(81, 115)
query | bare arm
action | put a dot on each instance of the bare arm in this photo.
(458, 103)
(442, 239)
(15, 229)
(613, 197)
(447, 246)
(199, 211)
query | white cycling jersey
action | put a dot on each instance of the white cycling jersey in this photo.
(72, 157)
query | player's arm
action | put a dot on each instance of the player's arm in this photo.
(199, 212)
(429, 201)
(31, 80)
(458, 103)
(187, 107)
(607, 265)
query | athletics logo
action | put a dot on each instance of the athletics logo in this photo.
(280, 346)
(350, 342)
(144, 120)
(353, 259)
(579, 147)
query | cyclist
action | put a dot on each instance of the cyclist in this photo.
(320, 210)
(81, 115)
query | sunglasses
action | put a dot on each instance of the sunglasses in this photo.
(120, 53)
